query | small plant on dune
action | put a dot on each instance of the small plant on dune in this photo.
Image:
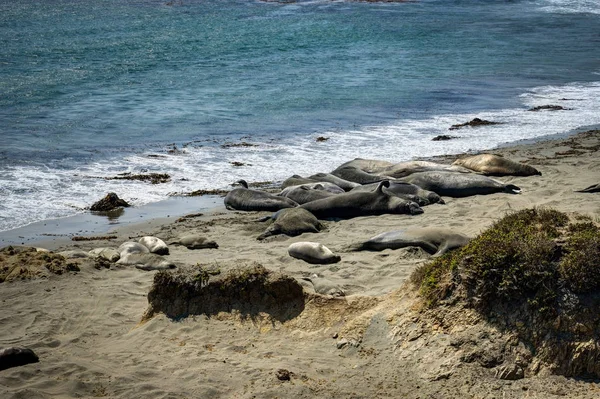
(580, 266)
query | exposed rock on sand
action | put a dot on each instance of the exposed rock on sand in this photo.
(474, 123)
(251, 291)
(108, 203)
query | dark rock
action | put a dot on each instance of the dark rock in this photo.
(284, 375)
(547, 108)
(14, 357)
(242, 144)
(321, 139)
(443, 137)
(108, 203)
(474, 123)
(154, 178)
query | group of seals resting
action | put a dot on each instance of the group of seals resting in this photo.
(245, 199)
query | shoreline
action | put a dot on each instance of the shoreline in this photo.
(53, 233)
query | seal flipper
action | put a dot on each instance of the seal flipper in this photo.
(512, 189)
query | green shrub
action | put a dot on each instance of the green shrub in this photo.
(580, 265)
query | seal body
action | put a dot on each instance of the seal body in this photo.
(245, 199)
(15, 357)
(407, 191)
(459, 184)
(146, 261)
(321, 185)
(313, 252)
(155, 245)
(323, 286)
(403, 169)
(130, 247)
(292, 222)
(353, 204)
(495, 165)
(109, 254)
(436, 241)
(357, 175)
(303, 194)
(295, 180)
(594, 188)
(346, 185)
(195, 241)
(368, 165)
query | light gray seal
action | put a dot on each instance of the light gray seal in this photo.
(244, 199)
(403, 169)
(303, 194)
(368, 165)
(109, 254)
(407, 191)
(194, 241)
(434, 240)
(146, 261)
(323, 286)
(313, 252)
(459, 184)
(346, 185)
(356, 175)
(295, 180)
(496, 165)
(130, 247)
(322, 185)
(353, 204)
(292, 222)
(155, 245)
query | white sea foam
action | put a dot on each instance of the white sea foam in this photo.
(36, 193)
(571, 6)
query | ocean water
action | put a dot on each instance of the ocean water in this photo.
(90, 89)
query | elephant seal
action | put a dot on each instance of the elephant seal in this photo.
(459, 184)
(146, 261)
(356, 175)
(407, 191)
(130, 247)
(244, 199)
(434, 240)
(74, 254)
(292, 222)
(594, 188)
(368, 165)
(353, 204)
(303, 194)
(323, 286)
(321, 185)
(295, 180)
(346, 185)
(155, 245)
(403, 169)
(496, 165)
(109, 254)
(313, 252)
(194, 241)
(15, 357)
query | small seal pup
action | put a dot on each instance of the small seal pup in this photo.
(146, 261)
(194, 241)
(155, 245)
(292, 222)
(434, 240)
(353, 204)
(496, 165)
(323, 286)
(459, 184)
(15, 357)
(244, 199)
(313, 252)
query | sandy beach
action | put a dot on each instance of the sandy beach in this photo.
(87, 327)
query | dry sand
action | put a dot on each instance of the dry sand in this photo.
(86, 327)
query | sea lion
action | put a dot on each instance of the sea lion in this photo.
(292, 222)
(130, 247)
(459, 184)
(109, 254)
(313, 252)
(324, 286)
(436, 241)
(244, 199)
(146, 261)
(368, 165)
(15, 357)
(403, 169)
(295, 180)
(321, 185)
(303, 194)
(155, 245)
(356, 175)
(407, 191)
(346, 185)
(353, 204)
(194, 241)
(594, 188)
(496, 165)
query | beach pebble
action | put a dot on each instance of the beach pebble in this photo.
(155, 245)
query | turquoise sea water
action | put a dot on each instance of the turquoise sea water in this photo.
(90, 89)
